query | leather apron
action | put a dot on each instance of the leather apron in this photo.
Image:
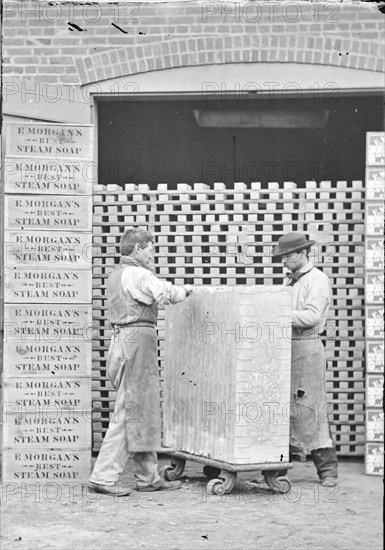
(309, 425)
(133, 361)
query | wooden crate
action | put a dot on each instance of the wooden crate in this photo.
(227, 374)
(374, 300)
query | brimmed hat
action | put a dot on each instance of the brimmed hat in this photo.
(291, 242)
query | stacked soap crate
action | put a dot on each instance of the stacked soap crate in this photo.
(334, 218)
(48, 173)
(115, 209)
(374, 297)
(224, 235)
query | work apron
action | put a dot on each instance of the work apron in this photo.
(309, 425)
(133, 352)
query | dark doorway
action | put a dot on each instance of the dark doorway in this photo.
(265, 140)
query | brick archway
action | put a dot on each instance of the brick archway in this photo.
(185, 52)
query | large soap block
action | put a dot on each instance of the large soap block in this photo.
(227, 374)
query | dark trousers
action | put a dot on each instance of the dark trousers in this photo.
(325, 460)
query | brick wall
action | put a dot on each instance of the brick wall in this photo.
(78, 43)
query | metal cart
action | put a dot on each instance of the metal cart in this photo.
(222, 475)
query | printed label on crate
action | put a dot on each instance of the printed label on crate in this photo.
(375, 148)
(374, 425)
(45, 394)
(374, 219)
(48, 212)
(374, 390)
(46, 465)
(374, 288)
(25, 430)
(374, 458)
(47, 285)
(48, 247)
(375, 183)
(48, 323)
(374, 322)
(374, 254)
(55, 177)
(43, 358)
(25, 139)
(375, 357)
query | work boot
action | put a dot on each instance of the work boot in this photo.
(161, 485)
(325, 461)
(115, 490)
(329, 482)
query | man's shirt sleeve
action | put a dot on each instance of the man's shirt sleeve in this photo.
(145, 287)
(316, 302)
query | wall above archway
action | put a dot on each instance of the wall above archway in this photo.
(206, 50)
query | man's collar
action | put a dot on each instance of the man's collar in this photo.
(294, 276)
(306, 267)
(128, 260)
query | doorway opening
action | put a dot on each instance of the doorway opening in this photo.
(268, 139)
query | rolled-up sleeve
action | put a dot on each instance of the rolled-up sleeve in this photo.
(145, 287)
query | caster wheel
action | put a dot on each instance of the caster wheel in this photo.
(216, 487)
(210, 472)
(225, 483)
(283, 484)
(171, 473)
(278, 484)
(167, 472)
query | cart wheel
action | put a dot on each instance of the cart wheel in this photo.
(224, 484)
(166, 472)
(171, 473)
(210, 472)
(216, 487)
(281, 484)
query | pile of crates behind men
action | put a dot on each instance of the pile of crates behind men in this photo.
(222, 235)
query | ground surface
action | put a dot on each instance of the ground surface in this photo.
(348, 517)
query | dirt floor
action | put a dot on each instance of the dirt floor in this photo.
(346, 517)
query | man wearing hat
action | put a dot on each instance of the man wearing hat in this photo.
(311, 298)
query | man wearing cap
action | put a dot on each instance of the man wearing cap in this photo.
(133, 296)
(311, 298)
